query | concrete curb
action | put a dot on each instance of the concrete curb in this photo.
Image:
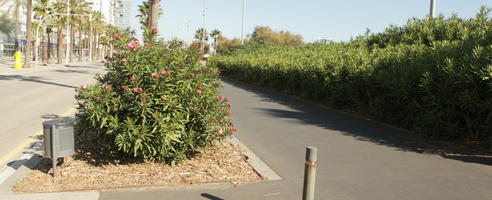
(53, 196)
(255, 162)
(31, 157)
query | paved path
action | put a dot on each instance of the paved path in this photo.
(30, 96)
(357, 158)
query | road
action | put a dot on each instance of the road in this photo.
(357, 158)
(30, 96)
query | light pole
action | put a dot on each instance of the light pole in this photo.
(68, 35)
(242, 26)
(203, 26)
(433, 8)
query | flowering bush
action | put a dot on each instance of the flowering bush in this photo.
(154, 103)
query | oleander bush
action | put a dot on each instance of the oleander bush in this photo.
(432, 75)
(157, 102)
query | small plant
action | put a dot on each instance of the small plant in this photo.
(155, 103)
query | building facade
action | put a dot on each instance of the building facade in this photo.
(124, 12)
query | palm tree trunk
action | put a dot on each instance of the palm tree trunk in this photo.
(72, 43)
(45, 47)
(28, 34)
(17, 4)
(98, 48)
(93, 53)
(49, 47)
(154, 14)
(60, 41)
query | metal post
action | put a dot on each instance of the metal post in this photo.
(67, 58)
(242, 26)
(309, 173)
(433, 8)
(53, 149)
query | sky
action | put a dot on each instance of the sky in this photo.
(313, 19)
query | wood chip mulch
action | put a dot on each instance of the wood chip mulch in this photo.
(87, 170)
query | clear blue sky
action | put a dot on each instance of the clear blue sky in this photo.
(313, 19)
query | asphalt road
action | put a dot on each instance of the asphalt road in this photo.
(30, 96)
(357, 158)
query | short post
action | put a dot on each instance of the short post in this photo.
(309, 173)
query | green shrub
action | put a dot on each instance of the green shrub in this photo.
(155, 103)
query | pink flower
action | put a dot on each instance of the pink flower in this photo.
(198, 92)
(124, 59)
(134, 48)
(154, 30)
(124, 86)
(83, 86)
(143, 104)
(155, 75)
(219, 131)
(137, 89)
(220, 98)
(130, 45)
(116, 36)
(107, 87)
(230, 106)
(235, 130)
(229, 112)
(163, 72)
(168, 73)
(136, 41)
(132, 78)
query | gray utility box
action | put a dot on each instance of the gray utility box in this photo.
(58, 139)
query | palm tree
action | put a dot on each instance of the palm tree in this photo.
(144, 14)
(28, 34)
(82, 8)
(97, 24)
(215, 34)
(49, 30)
(153, 14)
(201, 35)
(60, 21)
(43, 9)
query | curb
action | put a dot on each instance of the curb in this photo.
(258, 165)
(30, 157)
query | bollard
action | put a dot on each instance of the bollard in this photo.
(18, 60)
(309, 173)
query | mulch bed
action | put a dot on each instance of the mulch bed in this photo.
(88, 169)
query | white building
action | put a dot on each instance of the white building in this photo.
(108, 8)
(125, 13)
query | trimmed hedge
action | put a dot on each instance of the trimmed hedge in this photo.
(432, 75)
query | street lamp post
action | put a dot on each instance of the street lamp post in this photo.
(242, 26)
(68, 35)
(433, 8)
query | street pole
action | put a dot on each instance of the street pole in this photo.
(90, 39)
(242, 26)
(203, 26)
(68, 34)
(433, 8)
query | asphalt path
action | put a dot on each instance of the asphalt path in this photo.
(357, 158)
(29, 97)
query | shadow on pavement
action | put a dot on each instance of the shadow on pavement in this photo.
(211, 197)
(362, 129)
(35, 79)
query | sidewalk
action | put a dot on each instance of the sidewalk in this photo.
(7, 65)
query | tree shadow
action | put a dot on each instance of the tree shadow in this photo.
(362, 129)
(35, 79)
